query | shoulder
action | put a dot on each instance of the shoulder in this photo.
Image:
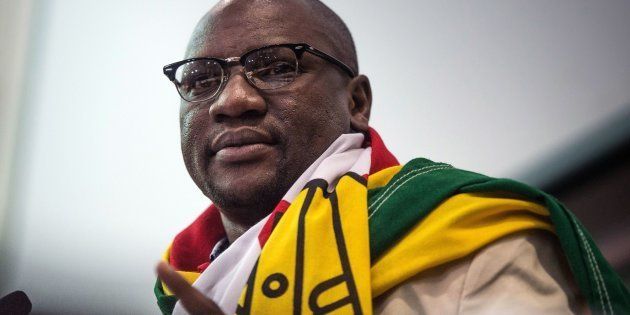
(461, 235)
(405, 195)
(458, 227)
(421, 187)
(524, 273)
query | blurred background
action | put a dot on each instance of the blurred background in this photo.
(93, 186)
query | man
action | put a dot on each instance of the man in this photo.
(312, 214)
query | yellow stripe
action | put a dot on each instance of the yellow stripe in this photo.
(458, 227)
(382, 177)
(324, 261)
(190, 276)
(167, 253)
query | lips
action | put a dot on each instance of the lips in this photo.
(240, 144)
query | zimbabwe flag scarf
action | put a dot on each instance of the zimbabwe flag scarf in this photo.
(357, 224)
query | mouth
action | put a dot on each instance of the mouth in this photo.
(241, 145)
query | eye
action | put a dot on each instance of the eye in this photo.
(198, 78)
(206, 82)
(201, 84)
(279, 70)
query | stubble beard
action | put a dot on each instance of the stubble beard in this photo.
(254, 203)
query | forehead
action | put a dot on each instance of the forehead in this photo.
(233, 28)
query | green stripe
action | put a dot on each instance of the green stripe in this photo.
(166, 303)
(421, 185)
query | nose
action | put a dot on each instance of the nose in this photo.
(238, 100)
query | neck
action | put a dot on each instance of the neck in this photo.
(233, 228)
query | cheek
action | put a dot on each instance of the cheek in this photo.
(313, 121)
(192, 127)
(319, 102)
(326, 113)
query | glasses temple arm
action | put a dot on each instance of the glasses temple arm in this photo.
(331, 59)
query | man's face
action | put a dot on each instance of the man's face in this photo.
(245, 147)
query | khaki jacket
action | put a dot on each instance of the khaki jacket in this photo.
(521, 274)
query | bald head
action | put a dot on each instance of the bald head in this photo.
(309, 21)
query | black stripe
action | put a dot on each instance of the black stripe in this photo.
(318, 183)
(343, 254)
(357, 177)
(299, 252)
(245, 309)
(334, 306)
(276, 219)
(323, 287)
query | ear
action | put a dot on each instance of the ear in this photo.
(360, 103)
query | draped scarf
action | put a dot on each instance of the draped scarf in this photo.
(356, 224)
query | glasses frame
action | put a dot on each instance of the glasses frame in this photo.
(225, 63)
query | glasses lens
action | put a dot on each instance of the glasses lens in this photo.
(271, 68)
(199, 80)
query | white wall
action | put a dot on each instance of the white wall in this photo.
(14, 32)
(101, 189)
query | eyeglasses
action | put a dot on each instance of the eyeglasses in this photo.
(266, 68)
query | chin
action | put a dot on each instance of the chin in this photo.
(251, 196)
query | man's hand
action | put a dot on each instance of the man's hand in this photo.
(193, 301)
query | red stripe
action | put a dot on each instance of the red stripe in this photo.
(192, 246)
(381, 157)
(282, 206)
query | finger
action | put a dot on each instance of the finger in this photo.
(192, 300)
